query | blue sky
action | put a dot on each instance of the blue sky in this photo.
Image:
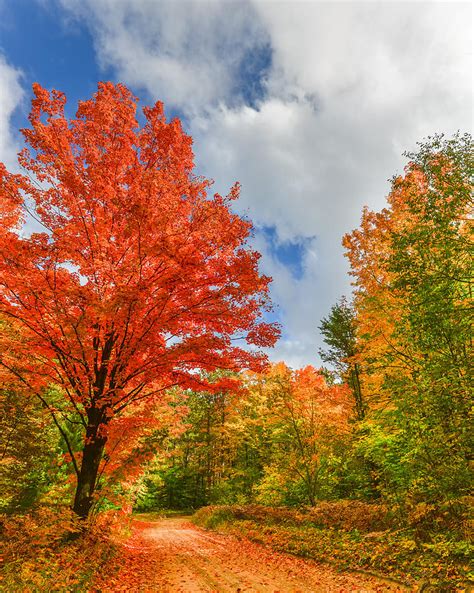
(33, 39)
(309, 105)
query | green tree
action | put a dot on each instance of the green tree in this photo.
(32, 462)
(413, 264)
(339, 334)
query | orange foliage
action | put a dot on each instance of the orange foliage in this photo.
(306, 415)
(379, 305)
(306, 397)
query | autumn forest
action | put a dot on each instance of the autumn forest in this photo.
(142, 415)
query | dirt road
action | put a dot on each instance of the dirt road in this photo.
(173, 556)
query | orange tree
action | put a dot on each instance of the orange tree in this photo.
(413, 269)
(308, 420)
(139, 278)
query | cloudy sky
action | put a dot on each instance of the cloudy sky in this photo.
(309, 105)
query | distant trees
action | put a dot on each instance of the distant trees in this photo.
(30, 452)
(278, 441)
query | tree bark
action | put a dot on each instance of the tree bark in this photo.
(87, 478)
(357, 391)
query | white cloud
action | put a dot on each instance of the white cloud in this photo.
(11, 95)
(352, 85)
(186, 53)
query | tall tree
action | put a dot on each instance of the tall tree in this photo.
(139, 279)
(413, 265)
(339, 334)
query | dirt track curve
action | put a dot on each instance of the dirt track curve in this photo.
(173, 556)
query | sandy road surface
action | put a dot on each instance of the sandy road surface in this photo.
(173, 556)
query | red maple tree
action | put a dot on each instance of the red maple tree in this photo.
(139, 279)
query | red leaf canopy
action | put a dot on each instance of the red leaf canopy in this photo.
(140, 278)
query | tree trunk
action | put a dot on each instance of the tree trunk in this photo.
(86, 481)
(357, 391)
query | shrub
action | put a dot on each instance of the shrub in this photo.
(352, 535)
(49, 551)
